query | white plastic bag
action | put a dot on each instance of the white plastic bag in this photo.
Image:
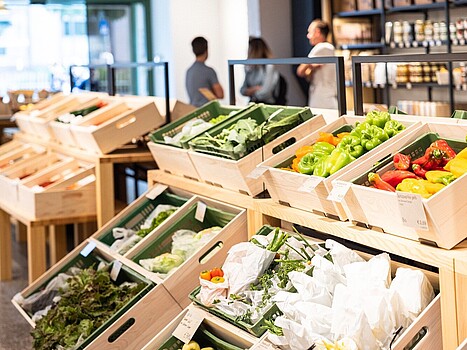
(211, 292)
(374, 272)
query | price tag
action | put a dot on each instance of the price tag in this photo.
(116, 267)
(339, 190)
(188, 326)
(156, 191)
(310, 184)
(88, 249)
(257, 172)
(412, 211)
(200, 211)
(263, 344)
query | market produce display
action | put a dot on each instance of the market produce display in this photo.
(74, 305)
(72, 117)
(425, 175)
(184, 244)
(324, 296)
(331, 153)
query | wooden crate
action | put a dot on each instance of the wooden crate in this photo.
(233, 174)
(19, 173)
(463, 346)
(212, 254)
(135, 214)
(105, 132)
(62, 131)
(290, 188)
(446, 211)
(220, 328)
(132, 327)
(173, 160)
(74, 193)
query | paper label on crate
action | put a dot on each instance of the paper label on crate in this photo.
(263, 344)
(339, 190)
(156, 191)
(310, 184)
(116, 267)
(412, 210)
(88, 249)
(200, 211)
(188, 326)
(257, 172)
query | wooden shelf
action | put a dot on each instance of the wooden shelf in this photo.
(373, 12)
(417, 8)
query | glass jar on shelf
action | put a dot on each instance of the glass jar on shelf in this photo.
(397, 32)
(428, 30)
(426, 71)
(402, 73)
(407, 36)
(443, 31)
(436, 31)
(419, 30)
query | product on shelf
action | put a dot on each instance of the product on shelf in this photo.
(425, 108)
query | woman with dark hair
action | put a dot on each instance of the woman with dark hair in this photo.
(261, 81)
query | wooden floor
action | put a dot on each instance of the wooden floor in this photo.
(14, 330)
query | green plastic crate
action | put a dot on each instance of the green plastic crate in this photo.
(260, 113)
(204, 338)
(459, 114)
(163, 243)
(207, 112)
(125, 275)
(287, 162)
(416, 149)
(139, 214)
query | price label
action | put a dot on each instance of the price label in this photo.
(310, 184)
(339, 190)
(257, 172)
(200, 211)
(116, 267)
(412, 210)
(156, 191)
(88, 249)
(188, 326)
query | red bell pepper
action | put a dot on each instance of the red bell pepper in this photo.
(395, 177)
(401, 161)
(419, 171)
(380, 184)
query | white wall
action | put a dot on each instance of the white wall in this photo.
(176, 22)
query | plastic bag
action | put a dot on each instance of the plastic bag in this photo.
(125, 239)
(185, 242)
(341, 255)
(374, 272)
(163, 263)
(191, 128)
(211, 292)
(159, 209)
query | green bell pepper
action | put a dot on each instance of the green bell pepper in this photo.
(338, 159)
(393, 127)
(352, 145)
(321, 167)
(359, 128)
(308, 162)
(372, 137)
(322, 148)
(378, 118)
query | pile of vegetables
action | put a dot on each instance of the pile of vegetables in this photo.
(89, 299)
(193, 128)
(184, 244)
(426, 175)
(331, 153)
(68, 118)
(192, 345)
(235, 138)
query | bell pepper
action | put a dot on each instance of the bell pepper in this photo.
(205, 275)
(322, 148)
(373, 137)
(378, 118)
(217, 272)
(458, 165)
(395, 177)
(299, 153)
(328, 137)
(295, 165)
(352, 145)
(442, 145)
(321, 167)
(401, 161)
(393, 127)
(423, 187)
(359, 128)
(379, 183)
(308, 162)
(436, 156)
(217, 279)
(440, 177)
(419, 171)
(338, 159)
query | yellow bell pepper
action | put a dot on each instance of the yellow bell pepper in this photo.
(458, 165)
(440, 177)
(422, 187)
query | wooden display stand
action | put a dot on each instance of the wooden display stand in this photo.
(452, 264)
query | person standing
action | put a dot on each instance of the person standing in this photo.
(200, 76)
(261, 82)
(322, 77)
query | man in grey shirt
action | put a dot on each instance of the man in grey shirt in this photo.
(199, 76)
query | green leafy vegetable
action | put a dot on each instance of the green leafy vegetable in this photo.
(159, 219)
(89, 300)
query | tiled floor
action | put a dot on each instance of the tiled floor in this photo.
(14, 330)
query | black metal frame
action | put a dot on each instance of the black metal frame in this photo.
(357, 62)
(111, 83)
(337, 60)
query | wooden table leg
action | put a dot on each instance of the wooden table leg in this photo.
(461, 302)
(5, 246)
(256, 219)
(449, 320)
(37, 264)
(20, 231)
(105, 193)
(57, 243)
